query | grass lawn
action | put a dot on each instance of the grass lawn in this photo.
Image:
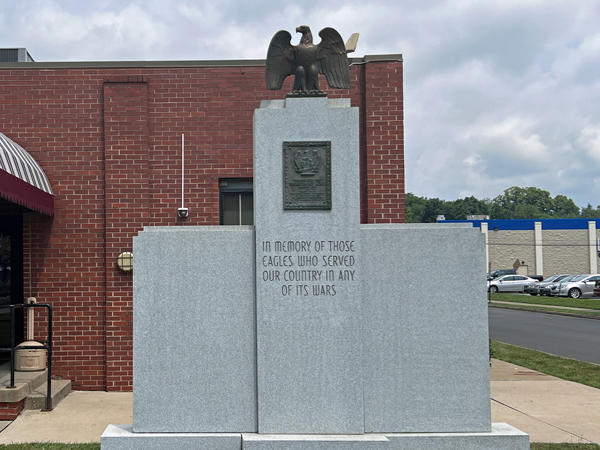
(545, 309)
(565, 368)
(587, 303)
(543, 446)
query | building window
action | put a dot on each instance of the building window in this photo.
(236, 202)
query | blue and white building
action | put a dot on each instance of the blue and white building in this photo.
(541, 246)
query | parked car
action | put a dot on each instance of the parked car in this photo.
(553, 288)
(500, 272)
(578, 286)
(597, 289)
(509, 283)
(534, 289)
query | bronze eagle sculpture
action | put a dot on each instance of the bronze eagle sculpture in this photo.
(306, 61)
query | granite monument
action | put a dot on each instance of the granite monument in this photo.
(309, 330)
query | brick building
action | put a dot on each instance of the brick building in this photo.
(108, 136)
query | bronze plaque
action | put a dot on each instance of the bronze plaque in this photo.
(307, 175)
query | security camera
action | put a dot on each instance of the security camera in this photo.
(182, 212)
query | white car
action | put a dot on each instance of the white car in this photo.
(510, 283)
(578, 286)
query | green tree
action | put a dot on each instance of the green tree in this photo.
(590, 212)
(423, 209)
(468, 206)
(513, 196)
(514, 203)
(433, 208)
(526, 211)
(564, 207)
(426, 210)
(415, 208)
(499, 212)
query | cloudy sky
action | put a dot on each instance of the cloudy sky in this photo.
(498, 93)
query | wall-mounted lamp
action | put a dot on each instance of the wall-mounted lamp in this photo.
(125, 261)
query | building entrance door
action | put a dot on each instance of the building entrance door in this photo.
(11, 276)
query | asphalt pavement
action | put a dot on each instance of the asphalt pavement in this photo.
(570, 337)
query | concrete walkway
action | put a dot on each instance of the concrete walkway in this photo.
(547, 408)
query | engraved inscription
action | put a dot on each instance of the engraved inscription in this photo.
(307, 175)
(306, 268)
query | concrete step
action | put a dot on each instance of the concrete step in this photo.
(25, 383)
(37, 398)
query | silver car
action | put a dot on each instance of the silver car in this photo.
(536, 288)
(578, 286)
(553, 288)
(510, 283)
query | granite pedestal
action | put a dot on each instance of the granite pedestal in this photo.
(309, 330)
(194, 338)
(308, 320)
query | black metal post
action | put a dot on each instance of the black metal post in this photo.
(12, 348)
(48, 347)
(49, 382)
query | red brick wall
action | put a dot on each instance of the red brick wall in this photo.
(10, 411)
(384, 134)
(127, 210)
(109, 140)
(57, 116)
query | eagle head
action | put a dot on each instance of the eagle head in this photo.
(306, 34)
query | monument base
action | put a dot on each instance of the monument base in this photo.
(502, 437)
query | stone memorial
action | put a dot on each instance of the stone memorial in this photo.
(309, 330)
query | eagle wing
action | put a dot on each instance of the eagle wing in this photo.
(333, 59)
(281, 60)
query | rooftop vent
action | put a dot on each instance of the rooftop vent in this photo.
(15, 55)
(478, 217)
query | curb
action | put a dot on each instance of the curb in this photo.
(541, 311)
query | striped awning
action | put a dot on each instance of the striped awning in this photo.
(22, 180)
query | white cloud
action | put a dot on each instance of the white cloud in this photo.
(513, 137)
(130, 32)
(497, 93)
(473, 160)
(589, 139)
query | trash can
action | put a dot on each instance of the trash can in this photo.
(29, 359)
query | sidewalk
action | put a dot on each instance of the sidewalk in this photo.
(547, 408)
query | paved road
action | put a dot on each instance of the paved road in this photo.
(571, 337)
